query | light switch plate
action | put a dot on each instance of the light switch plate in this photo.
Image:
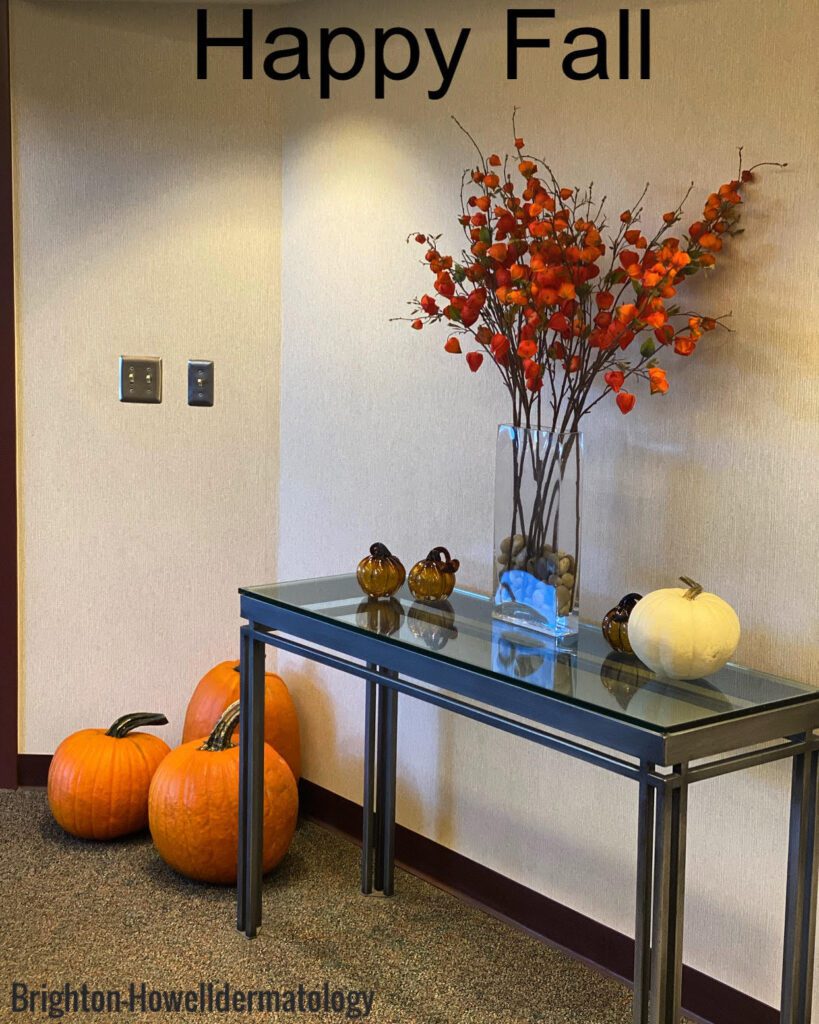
(140, 379)
(200, 382)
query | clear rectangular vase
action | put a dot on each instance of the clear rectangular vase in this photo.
(537, 530)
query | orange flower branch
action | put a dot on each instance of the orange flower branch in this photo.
(530, 292)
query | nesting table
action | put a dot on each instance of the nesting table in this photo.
(605, 709)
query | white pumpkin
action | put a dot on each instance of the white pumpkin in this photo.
(683, 633)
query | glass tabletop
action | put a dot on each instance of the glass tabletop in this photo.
(462, 631)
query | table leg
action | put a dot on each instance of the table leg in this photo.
(251, 784)
(368, 820)
(380, 758)
(642, 928)
(800, 899)
(244, 746)
(669, 893)
(390, 757)
(380, 783)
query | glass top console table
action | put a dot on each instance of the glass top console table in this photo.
(586, 702)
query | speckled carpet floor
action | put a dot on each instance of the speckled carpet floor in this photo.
(111, 914)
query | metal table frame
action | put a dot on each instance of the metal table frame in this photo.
(660, 763)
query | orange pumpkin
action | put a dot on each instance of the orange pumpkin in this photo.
(98, 779)
(193, 806)
(219, 688)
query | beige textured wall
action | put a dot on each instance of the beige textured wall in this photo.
(385, 436)
(147, 222)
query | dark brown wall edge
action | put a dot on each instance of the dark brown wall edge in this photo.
(542, 917)
(8, 432)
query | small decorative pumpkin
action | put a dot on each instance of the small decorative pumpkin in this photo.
(382, 617)
(98, 779)
(380, 574)
(219, 688)
(433, 623)
(683, 633)
(433, 578)
(615, 624)
(193, 806)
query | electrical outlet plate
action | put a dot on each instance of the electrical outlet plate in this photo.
(140, 379)
(200, 382)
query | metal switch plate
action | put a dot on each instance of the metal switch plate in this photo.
(140, 379)
(200, 382)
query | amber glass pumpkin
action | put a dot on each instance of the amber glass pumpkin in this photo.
(380, 574)
(615, 624)
(379, 616)
(98, 780)
(219, 688)
(433, 578)
(193, 806)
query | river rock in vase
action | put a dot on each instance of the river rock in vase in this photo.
(537, 529)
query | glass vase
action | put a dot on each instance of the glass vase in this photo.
(536, 581)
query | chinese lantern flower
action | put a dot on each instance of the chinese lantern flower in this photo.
(500, 348)
(711, 241)
(684, 346)
(558, 298)
(559, 322)
(664, 334)
(657, 381)
(444, 285)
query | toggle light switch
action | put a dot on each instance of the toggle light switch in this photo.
(200, 382)
(140, 379)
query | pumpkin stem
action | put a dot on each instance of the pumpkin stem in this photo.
(694, 589)
(380, 551)
(447, 562)
(126, 723)
(220, 737)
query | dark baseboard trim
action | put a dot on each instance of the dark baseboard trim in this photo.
(595, 943)
(32, 769)
(588, 940)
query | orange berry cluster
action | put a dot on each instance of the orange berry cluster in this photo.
(548, 301)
